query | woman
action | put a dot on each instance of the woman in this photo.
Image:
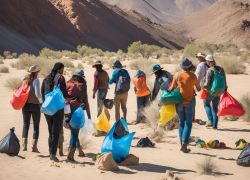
(142, 94)
(77, 90)
(186, 81)
(55, 122)
(32, 108)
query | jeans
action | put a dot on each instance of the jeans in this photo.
(74, 140)
(186, 115)
(28, 111)
(211, 106)
(142, 102)
(120, 100)
(101, 96)
(55, 125)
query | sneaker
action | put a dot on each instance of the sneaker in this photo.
(209, 125)
(54, 158)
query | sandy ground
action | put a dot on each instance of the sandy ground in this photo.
(153, 162)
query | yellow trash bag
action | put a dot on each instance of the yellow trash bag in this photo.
(102, 122)
(167, 113)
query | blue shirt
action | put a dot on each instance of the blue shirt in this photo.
(115, 75)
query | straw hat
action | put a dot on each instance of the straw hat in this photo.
(200, 55)
(34, 68)
(209, 58)
(97, 63)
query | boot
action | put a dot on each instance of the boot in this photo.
(24, 144)
(54, 158)
(61, 150)
(184, 148)
(71, 154)
(34, 146)
(81, 153)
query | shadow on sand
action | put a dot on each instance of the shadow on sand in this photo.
(204, 154)
(234, 130)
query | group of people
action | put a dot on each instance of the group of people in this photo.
(189, 80)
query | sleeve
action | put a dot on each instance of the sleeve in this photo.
(36, 85)
(198, 72)
(225, 78)
(85, 100)
(113, 77)
(63, 87)
(96, 82)
(208, 80)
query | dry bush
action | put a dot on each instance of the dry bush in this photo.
(152, 113)
(142, 64)
(245, 101)
(1, 57)
(79, 66)
(85, 142)
(1, 61)
(9, 55)
(207, 167)
(231, 64)
(13, 83)
(4, 69)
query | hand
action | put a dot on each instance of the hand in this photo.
(93, 95)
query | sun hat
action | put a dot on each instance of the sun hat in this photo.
(117, 64)
(200, 55)
(34, 68)
(156, 68)
(139, 73)
(98, 62)
(79, 72)
(186, 63)
(209, 58)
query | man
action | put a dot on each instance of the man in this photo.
(213, 98)
(201, 69)
(101, 86)
(122, 80)
(162, 80)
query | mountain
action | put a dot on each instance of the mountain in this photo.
(224, 22)
(162, 11)
(62, 24)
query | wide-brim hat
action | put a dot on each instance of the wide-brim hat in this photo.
(34, 68)
(201, 55)
(186, 63)
(118, 64)
(156, 68)
(79, 72)
(210, 58)
(97, 63)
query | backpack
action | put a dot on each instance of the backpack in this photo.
(123, 82)
(10, 144)
(218, 86)
(244, 157)
(145, 142)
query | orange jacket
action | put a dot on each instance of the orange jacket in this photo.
(141, 87)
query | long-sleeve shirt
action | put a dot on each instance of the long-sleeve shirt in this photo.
(201, 72)
(210, 74)
(36, 85)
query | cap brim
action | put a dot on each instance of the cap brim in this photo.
(96, 65)
(156, 71)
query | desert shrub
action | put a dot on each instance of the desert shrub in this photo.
(142, 64)
(9, 55)
(1, 57)
(48, 53)
(79, 66)
(86, 51)
(165, 60)
(1, 61)
(70, 54)
(231, 64)
(207, 167)
(245, 101)
(4, 69)
(13, 83)
(152, 113)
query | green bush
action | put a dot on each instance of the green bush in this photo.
(87, 51)
(231, 64)
(4, 69)
(13, 83)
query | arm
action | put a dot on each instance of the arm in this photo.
(96, 82)
(225, 79)
(36, 85)
(86, 101)
(113, 77)
(198, 72)
(208, 80)
(197, 85)
(173, 84)
(62, 83)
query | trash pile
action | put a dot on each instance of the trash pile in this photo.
(213, 144)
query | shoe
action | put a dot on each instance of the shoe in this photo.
(81, 153)
(209, 125)
(184, 148)
(70, 156)
(54, 158)
(61, 150)
(34, 146)
(24, 144)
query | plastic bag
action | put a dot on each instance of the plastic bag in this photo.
(10, 144)
(88, 128)
(173, 97)
(119, 147)
(167, 113)
(67, 109)
(120, 130)
(54, 101)
(244, 157)
(229, 106)
(204, 94)
(77, 119)
(20, 96)
(102, 122)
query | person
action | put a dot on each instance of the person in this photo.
(121, 78)
(212, 101)
(142, 94)
(101, 86)
(162, 80)
(77, 90)
(201, 69)
(32, 108)
(185, 80)
(55, 122)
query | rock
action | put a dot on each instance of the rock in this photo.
(131, 160)
(105, 162)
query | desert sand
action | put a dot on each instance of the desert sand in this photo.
(153, 162)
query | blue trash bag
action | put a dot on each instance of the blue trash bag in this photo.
(119, 147)
(77, 119)
(54, 101)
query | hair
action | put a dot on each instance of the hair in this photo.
(79, 79)
(53, 72)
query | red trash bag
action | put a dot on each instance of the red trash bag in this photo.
(20, 96)
(204, 94)
(229, 106)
